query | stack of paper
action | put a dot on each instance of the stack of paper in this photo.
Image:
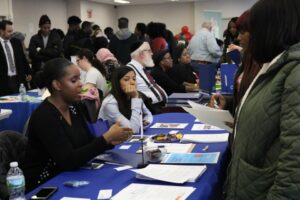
(5, 113)
(189, 95)
(158, 192)
(205, 127)
(172, 147)
(211, 116)
(171, 173)
(205, 138)
(170, 125)
(191, 158)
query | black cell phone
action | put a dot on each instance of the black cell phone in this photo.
(44, 193)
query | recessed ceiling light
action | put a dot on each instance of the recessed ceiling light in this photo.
(121, 1)
(174, 0)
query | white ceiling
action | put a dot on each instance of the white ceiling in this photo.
(139, 2)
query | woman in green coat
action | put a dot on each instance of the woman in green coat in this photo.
(265, 160)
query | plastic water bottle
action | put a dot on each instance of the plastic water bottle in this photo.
(22, 91)
(15, 182)
(218, 84)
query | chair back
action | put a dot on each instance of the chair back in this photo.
(228, 72)
(12, 148)
(206, 74)
(99, 127)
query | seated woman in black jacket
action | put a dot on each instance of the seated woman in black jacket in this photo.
(58, 136)
(182, 71)
(163, 64)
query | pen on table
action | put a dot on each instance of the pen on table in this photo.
(205, 148)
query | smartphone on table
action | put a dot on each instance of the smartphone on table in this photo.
(44, 193)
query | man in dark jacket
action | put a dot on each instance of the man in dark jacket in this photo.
(69, 40)
(121, 42)
(44, 45)
(14, 68)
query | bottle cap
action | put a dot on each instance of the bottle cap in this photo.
(13, 164)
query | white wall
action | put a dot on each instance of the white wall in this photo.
(73, 7)
(5, 8)
(229, 9)
(103, 14)
(27, 14)
(174, 15)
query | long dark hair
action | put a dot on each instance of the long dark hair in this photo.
(274, 27)
(124, 104)
(54, 69)
(249, 67)
(90, 56)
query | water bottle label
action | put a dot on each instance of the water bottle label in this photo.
(15, 182)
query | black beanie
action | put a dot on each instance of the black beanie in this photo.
(158, 56)
(44, 20)
(135, 46)
(74, 20)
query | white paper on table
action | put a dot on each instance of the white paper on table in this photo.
(171, 173)
(205, 138)
(122, 168)
(5, 113)
(73, 198)
(172, 147)
(170, 125)
(205, 127)
(136, 191)
(211, 116)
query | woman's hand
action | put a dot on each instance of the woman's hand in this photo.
(217, 101)
(131, 91)
(232, 47)
(117, 134)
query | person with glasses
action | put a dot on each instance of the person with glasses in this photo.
(141, 55)
(182, 70)
(163, 64)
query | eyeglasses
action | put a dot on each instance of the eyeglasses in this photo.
(147, 50)
(167, 57)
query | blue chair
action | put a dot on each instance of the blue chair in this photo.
(227, 77)
(206, 76)
(99, 127)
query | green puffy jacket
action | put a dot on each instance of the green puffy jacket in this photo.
(266, 151)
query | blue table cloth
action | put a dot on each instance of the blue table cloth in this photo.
(208, 186)
(21, 112)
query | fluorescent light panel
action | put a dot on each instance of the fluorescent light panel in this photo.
(121, 1)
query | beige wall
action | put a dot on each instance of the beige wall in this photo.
(229, 9)
(73, 7)
(174, 15)
(27, 15)
(103, 14)
(6, 9)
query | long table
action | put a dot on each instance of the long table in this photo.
(21, 111)
(208, 186)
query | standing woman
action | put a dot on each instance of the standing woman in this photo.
(246, 71)
(95, 72)
(58, 136)
(266, 147)
(125, 104)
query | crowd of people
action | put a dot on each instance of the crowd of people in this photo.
(129, 75)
